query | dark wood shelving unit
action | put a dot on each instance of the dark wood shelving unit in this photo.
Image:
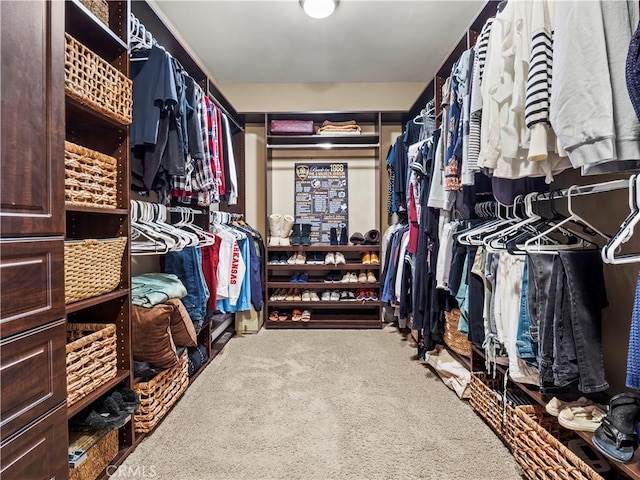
(346, 305)
(97, 210)
(84, 113)
(97, 393)
(326, 248)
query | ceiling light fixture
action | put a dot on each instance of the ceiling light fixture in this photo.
(319, 8)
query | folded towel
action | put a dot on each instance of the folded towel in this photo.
(330, 128)
(338, 124)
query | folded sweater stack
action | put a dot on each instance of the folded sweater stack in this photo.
(339, 128)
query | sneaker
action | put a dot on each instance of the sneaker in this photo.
(297, 295)
(339, 259)
(360, 295)
(353, 278)
(375, 260)
(326, 296)
(303, 278)
(282, 259)
(351, 296)
(371, 278)
(292, 259)
(366, 258)
(335, 296)
(346, 278)
(295, 278)
(329, 278)
(362, 278)
(373, 295)
(301, 259)
(306, 296)
(330, 259)
(314, 297)
(344, 296)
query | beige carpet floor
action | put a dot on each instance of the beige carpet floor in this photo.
(294, 405)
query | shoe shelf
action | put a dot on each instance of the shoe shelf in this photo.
(323, 285)
(337, 322)
(326, 248)
(318, 267)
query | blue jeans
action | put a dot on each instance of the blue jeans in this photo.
(569, 310)
(524, 342)
(187, 266)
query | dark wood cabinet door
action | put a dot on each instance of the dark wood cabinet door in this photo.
(38, 452)
(32, 117)
(31, 282)
(33, 376)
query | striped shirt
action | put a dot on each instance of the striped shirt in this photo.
(540, 71)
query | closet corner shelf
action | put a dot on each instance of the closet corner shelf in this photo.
(84, 112)
(326, 248)
(97, 393)
(306, 266)
(85, 27)
(105, 211)
(90, 302)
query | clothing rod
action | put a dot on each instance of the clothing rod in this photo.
(224, 110)
(586, 189)
(178, 209)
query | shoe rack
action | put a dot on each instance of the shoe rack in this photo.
(324, 313)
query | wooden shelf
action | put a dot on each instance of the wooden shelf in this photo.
(85, 27)
(333, 323)
(116, 462)
(79, 110)
(98, 210)
(326, 248)
(97, 393)
(322, 285)
(324, 304)
(90, 302)
(305, 267)
(632, 469)
(364, 140)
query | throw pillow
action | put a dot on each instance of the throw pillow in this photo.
(151, 335)
(182, 329)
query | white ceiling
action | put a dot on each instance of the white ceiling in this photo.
(273, 41)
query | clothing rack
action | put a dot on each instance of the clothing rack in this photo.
(183, 209)
(147, 39)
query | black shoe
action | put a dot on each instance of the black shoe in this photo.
(103, 415)
(305, 237)
(616, 436)
(127, 400)
(343, 236)
(295, 235)
(333, 236)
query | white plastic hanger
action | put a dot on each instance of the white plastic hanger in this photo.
(611, 251)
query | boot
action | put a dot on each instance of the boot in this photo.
(287, 224)
(296, 238)
(616, 436)
(275, 229)
(333, 236)
(305, 237)
(343, 235)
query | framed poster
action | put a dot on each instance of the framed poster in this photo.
(321, 198)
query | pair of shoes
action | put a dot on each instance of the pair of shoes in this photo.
(278, 259)
(108, 413)
(299, 278)
(277, 316)
(278, 295)
(616, 436)
(301, 234)
(347, 296)
(280, 227)
(367, 277)
(349, 277)
(310, 296)
(338, 236)
(297, 258)
(336, 258)
(366, 295)
(372, 237)
(333, 277)
(315, 258)
(370, 258)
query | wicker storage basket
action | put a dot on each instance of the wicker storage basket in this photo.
(90, 177)
(541, 454)
(158, 395)
(100, 452)
(100, 8)
(94, 82)
(453, 338)
(92, 267)
(91, 358)
(486, 402)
